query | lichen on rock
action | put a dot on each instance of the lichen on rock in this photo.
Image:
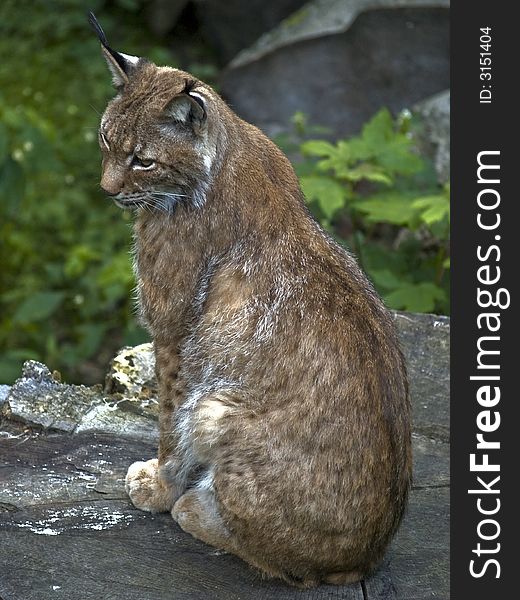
(132, 373)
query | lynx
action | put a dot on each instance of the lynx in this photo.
(284, 411)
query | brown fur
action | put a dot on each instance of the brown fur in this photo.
(285, 419)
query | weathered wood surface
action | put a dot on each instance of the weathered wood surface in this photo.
(87, 541)
(67, 529)
(419, 556)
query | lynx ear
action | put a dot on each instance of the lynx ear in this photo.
(121, 65)
(187, 107)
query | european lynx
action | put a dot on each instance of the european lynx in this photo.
(285, 419)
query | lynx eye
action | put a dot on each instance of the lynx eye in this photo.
(142, 163)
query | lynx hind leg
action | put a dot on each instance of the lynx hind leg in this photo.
(145, 488)
(197, 513)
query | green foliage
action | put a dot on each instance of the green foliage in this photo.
(66, 281)
(374, 193)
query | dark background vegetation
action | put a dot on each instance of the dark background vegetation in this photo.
(66, 280)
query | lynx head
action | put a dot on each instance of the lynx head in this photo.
(158, 136)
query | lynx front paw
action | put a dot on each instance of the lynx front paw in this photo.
(146, 490)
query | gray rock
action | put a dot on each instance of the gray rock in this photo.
(340, 61)
(231, 25)
(123, 419)
(128, 409)
(322, 17)
(434, 132)
(38, 399)
(4, 390)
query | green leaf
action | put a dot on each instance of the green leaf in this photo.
(386, 279)
(433, 209)
(318, 148)
(391, 149)
(398, 158)
(339, 159)
(329, 194)
(37, 307)
(369, 172)
(390, 208)
(360, 150)
(378, 130)
(416, 297)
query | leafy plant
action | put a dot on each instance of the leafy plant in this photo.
(378, 196)
(66, 280)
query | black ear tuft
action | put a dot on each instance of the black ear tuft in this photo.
(117, 57)
(98, 29)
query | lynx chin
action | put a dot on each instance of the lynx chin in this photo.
(284, 410)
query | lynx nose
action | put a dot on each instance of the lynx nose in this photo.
(110, 183)
(109, 193)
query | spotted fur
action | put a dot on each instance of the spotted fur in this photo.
(284, 417)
